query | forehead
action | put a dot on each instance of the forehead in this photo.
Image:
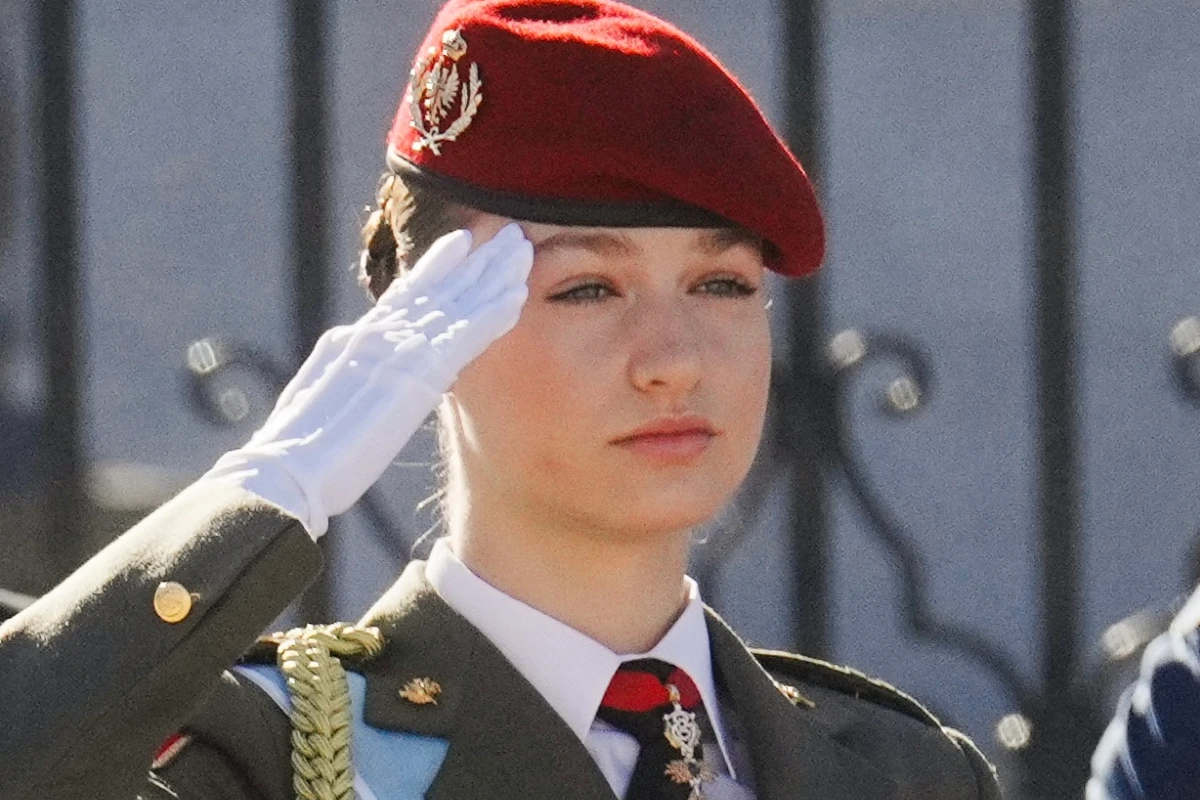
(630, 241)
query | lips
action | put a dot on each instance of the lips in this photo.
(671, 439)
(670, 426)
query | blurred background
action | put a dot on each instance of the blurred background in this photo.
(979, 479)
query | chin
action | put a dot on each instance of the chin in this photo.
(652, 514)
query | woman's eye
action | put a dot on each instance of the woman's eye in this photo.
(595, 292)
(728, 287)
(586, 293)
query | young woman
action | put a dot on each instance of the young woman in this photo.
(568, 261)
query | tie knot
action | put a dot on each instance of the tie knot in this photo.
(649, 685)
(659, 705)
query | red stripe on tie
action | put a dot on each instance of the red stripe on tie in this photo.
(689, 695)
(638, 692)
(635, 692)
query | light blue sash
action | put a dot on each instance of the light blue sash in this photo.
(388, 765)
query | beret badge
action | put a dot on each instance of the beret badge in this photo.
(436, 88)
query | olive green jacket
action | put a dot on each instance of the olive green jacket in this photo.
(92, 681)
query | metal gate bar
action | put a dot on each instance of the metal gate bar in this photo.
(57, 226)
(800, 387)
(310, 245)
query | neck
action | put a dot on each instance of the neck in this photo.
(624, 592)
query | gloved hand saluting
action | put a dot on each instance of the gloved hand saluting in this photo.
(367, 387)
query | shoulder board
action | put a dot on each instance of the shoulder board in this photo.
(843, 680)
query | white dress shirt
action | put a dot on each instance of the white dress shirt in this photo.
(572, 671)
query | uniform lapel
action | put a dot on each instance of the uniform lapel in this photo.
(793, 756)
(505, 740)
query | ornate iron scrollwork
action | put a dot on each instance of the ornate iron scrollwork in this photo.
(849, 352)
(1185, 357)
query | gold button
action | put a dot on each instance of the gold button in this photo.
(172, 602)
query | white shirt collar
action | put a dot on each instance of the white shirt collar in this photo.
(569, 669)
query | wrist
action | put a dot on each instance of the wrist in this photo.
(266, 477)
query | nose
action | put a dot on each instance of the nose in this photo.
(666, 357)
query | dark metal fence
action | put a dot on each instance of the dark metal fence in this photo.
(311, 253)
(1057, 714)
(55, 131)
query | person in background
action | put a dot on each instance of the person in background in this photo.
(568, 260)
(1151, 749)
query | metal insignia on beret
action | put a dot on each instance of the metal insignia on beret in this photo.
(435, 87)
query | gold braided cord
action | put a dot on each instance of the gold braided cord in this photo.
(310, 659)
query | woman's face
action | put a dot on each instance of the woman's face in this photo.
(623, 329)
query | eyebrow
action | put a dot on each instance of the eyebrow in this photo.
(719, 240)
(608, 243)
(602, 243)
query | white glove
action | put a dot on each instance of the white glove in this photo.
(367, 387)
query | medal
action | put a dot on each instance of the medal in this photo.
(683, 733)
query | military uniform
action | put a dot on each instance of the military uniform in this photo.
(118, 683)
(95, 681)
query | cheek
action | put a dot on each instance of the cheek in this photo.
(530, 394)
(735, 345)
(740, 364)
(756, 358)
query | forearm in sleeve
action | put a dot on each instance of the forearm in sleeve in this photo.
(93, 677)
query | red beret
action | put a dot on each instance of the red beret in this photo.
(590, 112)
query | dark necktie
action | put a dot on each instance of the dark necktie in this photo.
(659, 705)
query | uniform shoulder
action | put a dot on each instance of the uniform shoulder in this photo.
(886, 726)
(791, 668)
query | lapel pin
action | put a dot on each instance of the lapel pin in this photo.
(421, 691)
(793, 694)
